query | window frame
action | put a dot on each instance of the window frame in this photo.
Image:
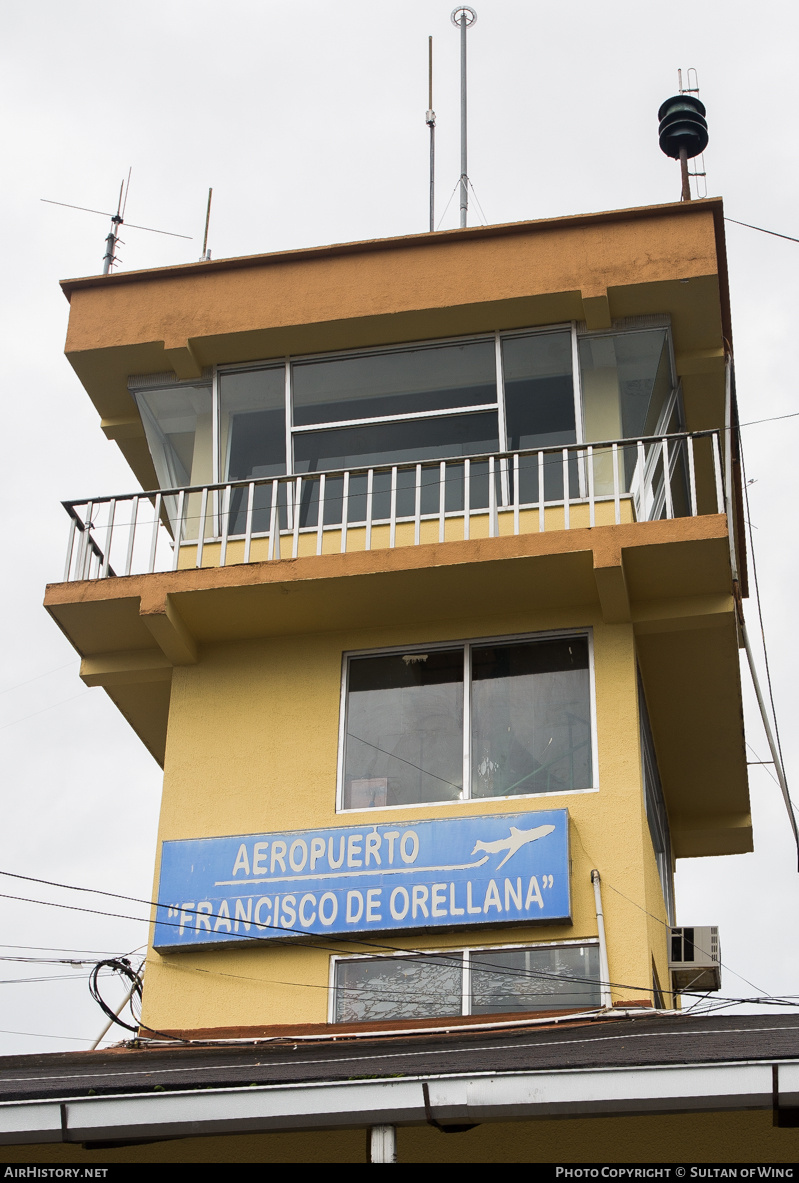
(141, 383)
(497, 411)
(467, 643)
(576, 329)
(463, 951)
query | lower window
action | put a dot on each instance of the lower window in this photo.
(483, 719)
(467, 982)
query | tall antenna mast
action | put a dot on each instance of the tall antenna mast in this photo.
(463, 17)
(430, 119)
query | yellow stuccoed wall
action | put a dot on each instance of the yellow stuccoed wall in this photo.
(253, 745)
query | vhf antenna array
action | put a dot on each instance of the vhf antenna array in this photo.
(113, 240)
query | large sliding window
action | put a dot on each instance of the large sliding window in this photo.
(484, 719)
(559, 976)
(401, 406)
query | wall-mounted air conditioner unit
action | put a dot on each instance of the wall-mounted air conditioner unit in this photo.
(695, 959)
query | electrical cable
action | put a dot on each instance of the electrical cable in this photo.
(762, 230)
(46, 674)
(40, 1035)
(52, 706)
(94, 953)
(123, 967)
(758, 604)
(652, 916)
(46, 978)
(344, 939)
(762, 999)
(765, 764)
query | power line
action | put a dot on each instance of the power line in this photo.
(652, 916)
(46, 674)
(441, 956)
(94, 953)
(760, 609)
(762, 229)
(43, 710)
(40, 1035)
(351, 939)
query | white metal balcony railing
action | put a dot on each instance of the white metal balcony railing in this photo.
(387, 506)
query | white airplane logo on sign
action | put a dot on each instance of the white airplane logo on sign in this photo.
(511, 844)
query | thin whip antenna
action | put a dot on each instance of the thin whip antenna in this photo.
(117, 220)
(462, 18)
(430, 119)
(206, 253)
(127, 191)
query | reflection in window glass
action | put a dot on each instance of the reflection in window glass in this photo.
(488, 981)
(252, 439)
(427, 398)
(539, 408)
(539, 397)
(177, 423)
(404, 740)
(530, 707)
(409, 441)
(404, 382)
(557, 977)
(398, 988)
(531, 719)
(626, 383)
(252, 433)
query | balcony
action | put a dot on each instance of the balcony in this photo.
(619, 532)
(532, 491)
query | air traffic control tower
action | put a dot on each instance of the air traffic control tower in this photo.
(428, 612)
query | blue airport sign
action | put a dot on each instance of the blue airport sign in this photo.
(466, 871)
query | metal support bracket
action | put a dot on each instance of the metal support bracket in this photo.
(445, 1129)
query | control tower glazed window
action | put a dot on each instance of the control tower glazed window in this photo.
(401, 405)
(497, 718)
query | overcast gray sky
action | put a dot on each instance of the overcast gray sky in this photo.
(307, 118)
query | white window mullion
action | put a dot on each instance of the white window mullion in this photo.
(502, 421)
(216, 459)
(466, 1000)
(289, 421)
(579, 426)
(577, 386)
